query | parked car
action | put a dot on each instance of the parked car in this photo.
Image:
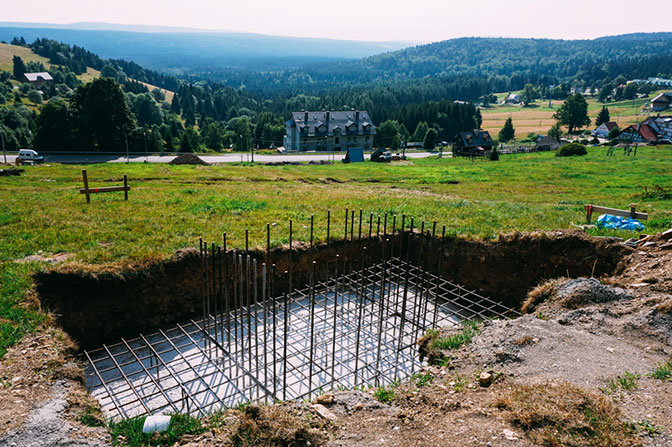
(29, 156)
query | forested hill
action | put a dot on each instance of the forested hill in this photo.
(633, 55)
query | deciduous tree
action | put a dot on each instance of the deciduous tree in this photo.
(573, 113)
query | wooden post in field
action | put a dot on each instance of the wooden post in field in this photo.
(86, 186)
(88, 191)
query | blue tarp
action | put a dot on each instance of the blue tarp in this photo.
(618, 223)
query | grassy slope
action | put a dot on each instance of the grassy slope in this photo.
(8, 51)
(538, 118)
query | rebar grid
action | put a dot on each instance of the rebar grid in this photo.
(354, 324)
(357, 339)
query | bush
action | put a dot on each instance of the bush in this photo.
(571, 149)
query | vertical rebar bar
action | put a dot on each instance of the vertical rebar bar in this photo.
(248, 302)
(359, 237)
(333, 339)
(312, 330)
(291, 256)
(275, 331)
(370, 224)
(385, 225)
(268, 244)
(352, 225)
(378, 227)
(439, 262)
(265, 300)
(312, 222)
(346, 225)
(284, 348)
(254, 302)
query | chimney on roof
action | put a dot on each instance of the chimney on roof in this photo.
(357, 115)
(305, 117)
(327, 114)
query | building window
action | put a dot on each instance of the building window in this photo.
(337, 140)
(367, 138)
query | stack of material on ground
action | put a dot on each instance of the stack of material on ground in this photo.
(188, 159)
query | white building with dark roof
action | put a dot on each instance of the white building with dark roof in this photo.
(329, 131)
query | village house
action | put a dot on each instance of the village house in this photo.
(37, 79)
(661, 102)
(477, 142)
(603, 129)
(661, 125)
(329, 131)
(639, 133)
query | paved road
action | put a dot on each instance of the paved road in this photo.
(225, 158)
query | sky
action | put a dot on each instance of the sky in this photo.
(375, 20)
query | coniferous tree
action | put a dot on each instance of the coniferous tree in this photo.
(19, 68)
(507, 133)
(420, 131)
(430, 139)
(603, 116)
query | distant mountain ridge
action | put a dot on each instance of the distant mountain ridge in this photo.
(181, 50)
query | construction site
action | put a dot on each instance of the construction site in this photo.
(284, 323)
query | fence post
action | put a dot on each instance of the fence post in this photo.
(86, 186)
(125, 187)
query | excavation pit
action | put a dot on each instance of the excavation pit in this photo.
(231, 345)
(349, 330)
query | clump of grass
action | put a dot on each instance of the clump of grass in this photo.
(663, 371)
(92, 416)
(656, 192)
(128, 432)
(539, 294)
(422, 380)
(625, 382)
(459, 383)
(463, 337)
(646, 427)
(386, 394)
(556, 415)
(274, 425)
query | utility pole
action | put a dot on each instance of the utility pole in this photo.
(550, 96)
(2, 136)
(146, 157)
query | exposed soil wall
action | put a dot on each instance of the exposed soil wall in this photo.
(95, 308)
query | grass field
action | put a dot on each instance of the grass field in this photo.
(7, 52)
(538, 117)
(171, 206)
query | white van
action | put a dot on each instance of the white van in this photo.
(30, 156)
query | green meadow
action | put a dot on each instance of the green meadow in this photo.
(170, 207)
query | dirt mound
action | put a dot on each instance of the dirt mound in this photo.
(188, 159)
(573, 293)
(11, 171)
